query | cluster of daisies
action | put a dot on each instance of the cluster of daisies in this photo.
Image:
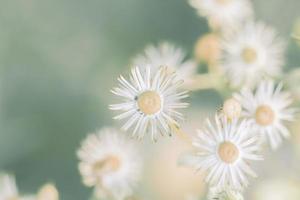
(244, 59)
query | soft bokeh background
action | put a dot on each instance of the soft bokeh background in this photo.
(58, 61)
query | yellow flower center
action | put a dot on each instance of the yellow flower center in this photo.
(228, 152)
(111, 163)
(264, 115)
(149, 102)
(249, 55)
(232, 108)
(223, 2)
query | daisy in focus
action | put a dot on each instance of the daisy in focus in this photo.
(224, 194)
(9, 190)
(267, 108)
(167, 54)
(225, 150)
(223, 14)
(109, 162)
(251, 54)
(150, 102)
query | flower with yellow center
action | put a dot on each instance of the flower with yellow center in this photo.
(109, 162)
(223, 14)
(251, 53)
(231, 109)
(169, 55)
(150, 101)
(225, 150)
(267, 107)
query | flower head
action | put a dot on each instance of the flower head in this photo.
(231, 109)
(252, 53)
(167, 54)
(48, 192)
(150, 101)
(208, 48)
(223, 14)
(110, 163)
(224, 150)
(267, 108)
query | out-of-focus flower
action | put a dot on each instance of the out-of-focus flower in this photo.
(48, 192)
(9, 190)
(208, 48)
(224, 194)
(150, 101)
(231, 109)
(277, 189)
(223, 14)
(167, 179)
(252, 53)
(267, 108)
(167, 54)
(224, 150)
(110, 163)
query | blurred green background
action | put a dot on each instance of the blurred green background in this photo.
(59, 59)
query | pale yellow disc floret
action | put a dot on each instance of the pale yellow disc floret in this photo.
(149, 102)
(264, 115)
(249, 55)
(109, 164)
(228, 152)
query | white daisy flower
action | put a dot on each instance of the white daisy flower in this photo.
(167, 54)
(224, 194)
(267, 108)
(224, 14)
(252, 53)
(150, 101)
(224, 151)
(110, 163)
(9, 190)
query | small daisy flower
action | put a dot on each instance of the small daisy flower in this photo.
(9, 190)
(223, 14)
(224, 194)
(167, 54)
(150, 101)
(267, 108)
(110, 163)
(224, 151)
(252, 53)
